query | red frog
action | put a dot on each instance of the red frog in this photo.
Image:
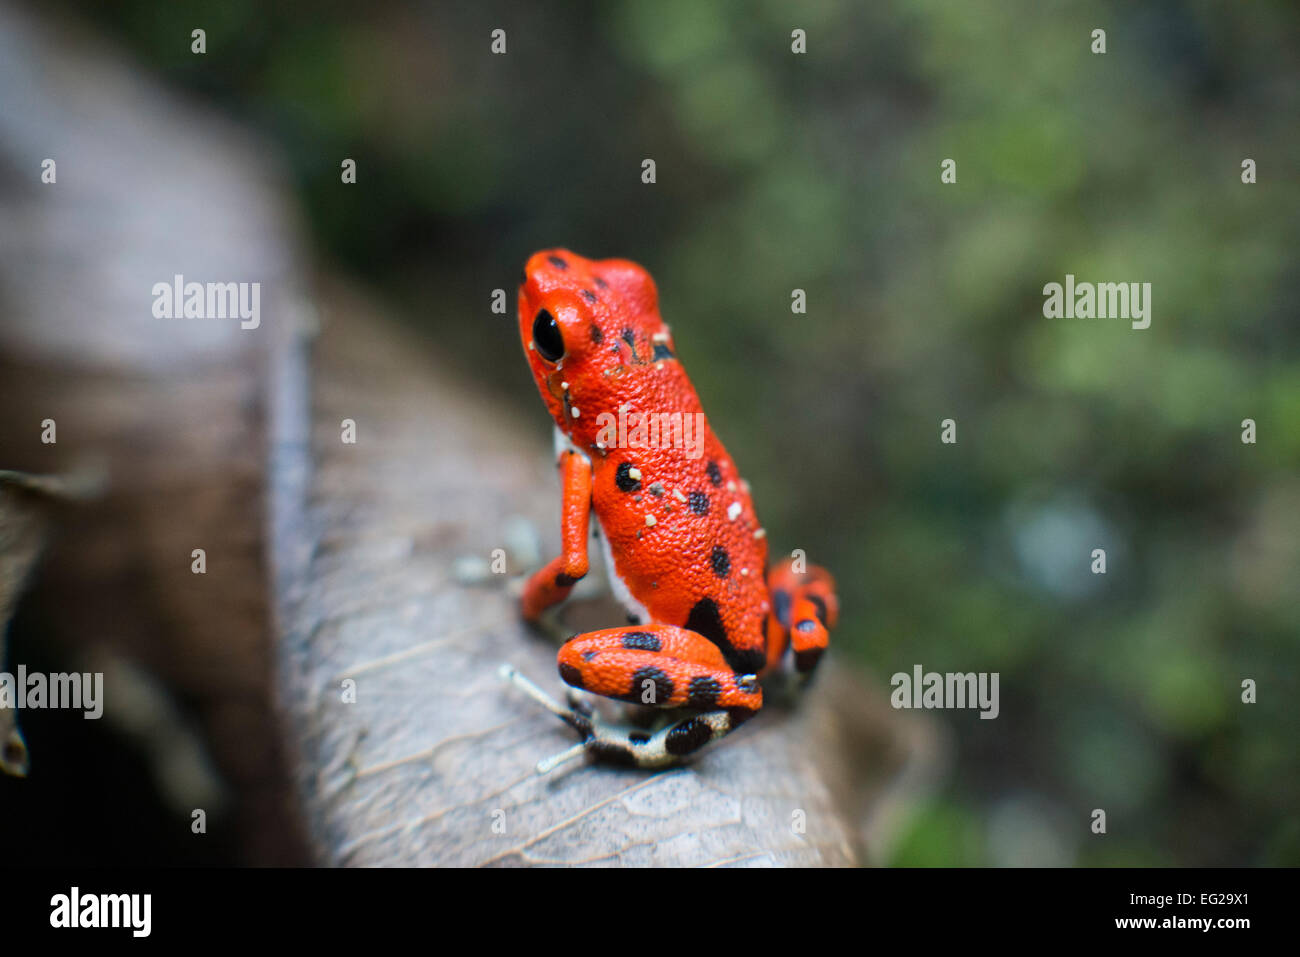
(685, 552)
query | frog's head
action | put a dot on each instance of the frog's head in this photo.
(591, 331)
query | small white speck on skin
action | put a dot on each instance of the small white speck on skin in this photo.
(659, 364)
(733, 511)
(649, 520)
(530, 346)
(761, 533)
(600, 443)
(574, 410)
(633, 473)
(677, 494)
(744, 571)
(731, 486)
(659, 337)
(564, 385)
(744, 486)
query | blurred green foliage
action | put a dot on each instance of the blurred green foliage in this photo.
(821, 172)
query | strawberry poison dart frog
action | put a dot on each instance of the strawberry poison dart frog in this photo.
(685, 552)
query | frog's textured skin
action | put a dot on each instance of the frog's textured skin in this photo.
(685, 551)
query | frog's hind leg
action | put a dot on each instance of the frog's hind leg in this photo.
(659, 666)
(805, 605)
(623, 744)
(620, 743)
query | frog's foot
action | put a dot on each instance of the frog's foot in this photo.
(805, 605)
(660, 666)
(577, 716)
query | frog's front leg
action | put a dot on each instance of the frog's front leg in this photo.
(552, 584)
(659, 666)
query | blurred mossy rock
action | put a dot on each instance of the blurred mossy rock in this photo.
(149, 186)
(412, 750)
(26, 503)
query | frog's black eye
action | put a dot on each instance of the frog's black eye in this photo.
(546, 336)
